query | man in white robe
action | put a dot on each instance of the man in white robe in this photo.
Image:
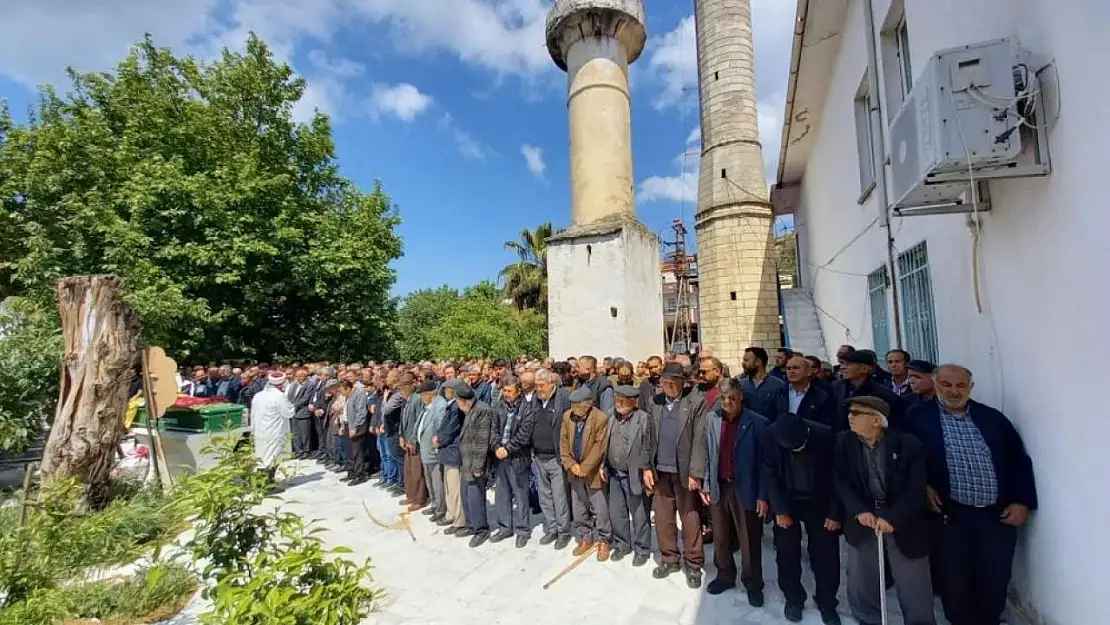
(271, 411)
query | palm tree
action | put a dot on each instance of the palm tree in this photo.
(525, 281)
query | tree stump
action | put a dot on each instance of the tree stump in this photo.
(101, 333)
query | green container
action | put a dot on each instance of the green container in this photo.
(199, 419)
(208, 418)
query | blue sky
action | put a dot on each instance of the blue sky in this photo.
(453, 104)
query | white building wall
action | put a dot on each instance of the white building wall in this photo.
(1038, 351)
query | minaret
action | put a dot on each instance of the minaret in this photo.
(605, 290)
(738, 293)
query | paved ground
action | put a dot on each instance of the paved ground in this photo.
(439, 580)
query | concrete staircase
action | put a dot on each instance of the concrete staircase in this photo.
(803, 329)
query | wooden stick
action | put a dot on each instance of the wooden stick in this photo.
(570, 567)
(402, 523)
(28, 472)
(157, 455)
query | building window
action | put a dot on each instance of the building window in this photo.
(897, 68)
(878, 284)
(902, 50)
(918, 314)
(671, 306)
(862, 109)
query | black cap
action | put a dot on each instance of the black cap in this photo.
(790, 431)
(426, 387)
(875, 403)
(674, 370)
(463, 391)
(627, 390)
(921, 366)
(861, 357)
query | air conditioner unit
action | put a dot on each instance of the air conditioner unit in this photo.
(963, 120)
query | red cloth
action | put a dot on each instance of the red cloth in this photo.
(726, 465)
(711, 397)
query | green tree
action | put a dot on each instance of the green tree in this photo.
(417, 318)
(30, 346)
(480, 324)
(229, 222)
(786, 255)
(525, 281)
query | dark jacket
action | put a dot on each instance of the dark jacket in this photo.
(376, 406)
(450, 433)
(816, 406)
(746, 457)
(1013, 468)
(560, 404)
(246, 396)
(484, 392)
(392, 410)
(520, 434)
(842, 391)
(691, 433)
(778, 476)
(905, 487)
(641, 453)
(602, 389)
(648, 391)
(765, 398)
(302, 399)
(475, 439)
(318, 400)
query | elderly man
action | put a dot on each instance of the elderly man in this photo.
(981, 483)
(513, 422)
(583, 443)
(798, 479)
(358, 429)
(880, 481)
(300, 393)
(393, 408)
(678, 421)
(734, 492)
(317, 409)
(803, 397)
(629, 457)
(270, 415)
(446, 441)
(416, 490)
(549, 406)
(431, 418)
(856, 372)
(475, 442)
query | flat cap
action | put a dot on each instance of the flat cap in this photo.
(674, 370)
(581, 394)
(860, 357)
(923, 366)
(875, 403)
(426, 387)
(463, 391)
(627, 390)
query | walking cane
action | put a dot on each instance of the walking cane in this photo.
(882, 576)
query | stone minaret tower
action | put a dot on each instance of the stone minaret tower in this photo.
(604, 291)
(738, 293)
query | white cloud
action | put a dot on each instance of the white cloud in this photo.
(673, 60)
(471, 148)
(506, 36)
(533, 157)
(403, 101)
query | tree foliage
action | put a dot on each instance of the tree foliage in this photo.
(418, 317)
(525, 281)
(443, 323)
(30, 348)
(229, 222)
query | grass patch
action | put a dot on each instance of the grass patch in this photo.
(153, 595)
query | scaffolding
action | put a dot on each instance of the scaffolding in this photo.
(683, 267)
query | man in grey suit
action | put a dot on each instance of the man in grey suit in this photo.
(630, 454)
(299, 394)
(358, 421)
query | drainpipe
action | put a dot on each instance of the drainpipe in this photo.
(878, 154)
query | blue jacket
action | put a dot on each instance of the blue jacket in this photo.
(1013, 468)
(450, 431)
(747, 456)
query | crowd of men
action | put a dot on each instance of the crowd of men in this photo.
(900, 455)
